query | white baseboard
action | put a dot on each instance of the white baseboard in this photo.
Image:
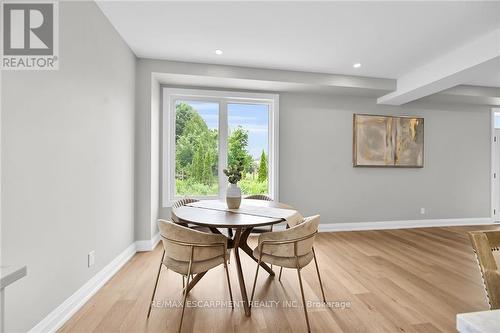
(147, 245)
(70, 306)
(403, 224)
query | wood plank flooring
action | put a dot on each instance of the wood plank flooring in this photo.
(413, 280)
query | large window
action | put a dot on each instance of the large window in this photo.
(205, 131)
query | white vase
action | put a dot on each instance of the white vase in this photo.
(233, 196)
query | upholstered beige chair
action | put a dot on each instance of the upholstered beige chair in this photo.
(291, 248)
(262, 197)
(180, 203)
(259, 197)
(486, 245)
(188, 252)
(184, 202)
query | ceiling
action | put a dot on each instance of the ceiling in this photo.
(488, 75)
(389, 39)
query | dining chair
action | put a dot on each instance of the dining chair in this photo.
(486, 245)
(188, 252)
(180, 203)
(260, 230)
(262, 197)
(291, 248)
(259, 197)
(255, 230)
(184, 202)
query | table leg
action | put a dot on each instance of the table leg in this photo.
(244, 246)
(215, 231)
(237, 239)
(194, 281)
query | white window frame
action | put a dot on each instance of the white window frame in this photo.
(171, 95)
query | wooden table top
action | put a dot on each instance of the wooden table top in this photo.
(204, 216)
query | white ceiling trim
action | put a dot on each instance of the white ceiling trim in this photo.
(172, 73)
(449, 70)
(468, 95)
(222, 72)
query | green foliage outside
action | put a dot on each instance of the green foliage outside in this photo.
(196, 148)
(262, 173)
(197, 159)
(249, 185)
(189, 187)
(237, 150)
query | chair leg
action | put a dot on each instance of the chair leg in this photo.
(303, 300)
(272, 225)
(230, 234)
(183, 304)
(229, 284)
(185, 293)
(255, 281)
(319, 276)
(156, 283)
(279, 277)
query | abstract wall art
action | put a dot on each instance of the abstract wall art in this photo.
(388, 141)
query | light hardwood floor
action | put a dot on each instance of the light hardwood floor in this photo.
(413, 280)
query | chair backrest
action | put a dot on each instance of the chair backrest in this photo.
(183, 202)
(180, 203)
(295, 219)
(180, 242)
(291, 221)
(484, 243)
(297, 240)
(259, 197)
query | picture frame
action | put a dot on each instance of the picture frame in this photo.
(388, 141)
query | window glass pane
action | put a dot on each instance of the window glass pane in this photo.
(249, 141)
(196, 148)
(497, 120)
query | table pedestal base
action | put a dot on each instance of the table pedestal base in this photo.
(238, 242)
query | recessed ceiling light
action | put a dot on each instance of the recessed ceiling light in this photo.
(218, 52)
(356, 65)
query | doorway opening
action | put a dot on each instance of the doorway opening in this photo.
(495, 164)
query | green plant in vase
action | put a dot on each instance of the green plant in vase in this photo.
(234, 174)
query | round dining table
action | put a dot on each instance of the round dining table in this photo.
(213, 215)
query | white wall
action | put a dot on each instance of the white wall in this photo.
(316, 173)
(67, 164)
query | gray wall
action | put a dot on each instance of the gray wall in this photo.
(316, 173)
(317, 177)
(67, 164)
(147, 123)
